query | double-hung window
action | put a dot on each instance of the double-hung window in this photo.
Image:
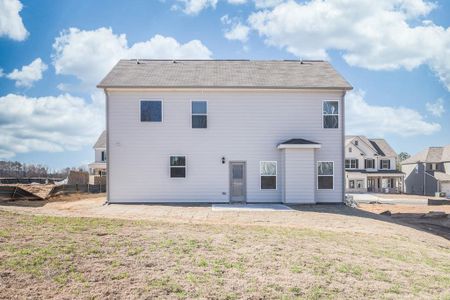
(325, 172)
(330, 114)
(199, 114)
(385, 164)
(351, 164)
(369, 163)
(178, 166)
(151, 111)
(268, 174)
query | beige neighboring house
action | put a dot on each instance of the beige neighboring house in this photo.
(98, 167)
(370, 166)
(428, 171)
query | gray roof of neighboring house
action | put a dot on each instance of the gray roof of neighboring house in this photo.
(101, 141)
(430, 155)
(380, 146)
(270, 74)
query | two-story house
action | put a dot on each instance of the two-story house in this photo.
(98, 167)
(370, 166)
(428, 171)
(219, 131)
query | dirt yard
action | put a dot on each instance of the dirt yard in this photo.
(48, 250)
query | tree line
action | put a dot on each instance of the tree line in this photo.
(21, 170)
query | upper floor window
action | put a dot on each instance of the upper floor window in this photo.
(385, 164)
(351, 164)
(103, 155)
(330, 114)
(151, 111)
(369, 163)
(350, 149)
(268, 174)
(199, 114)
(325, 172)
(178, 166)
(356, 143)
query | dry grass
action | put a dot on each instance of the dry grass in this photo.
(46, 257)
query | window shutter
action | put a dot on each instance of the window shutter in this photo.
(365, 164)
(389, 164)
(357, 163)
(381, 164)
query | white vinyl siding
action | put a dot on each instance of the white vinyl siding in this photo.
(246, 126)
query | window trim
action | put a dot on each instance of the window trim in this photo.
(207, 109)
(162, 111)
(103, 155)
(185, 166)
(372, 160)
(276, 175)
(317, 171)
(350, 163)
(381, 164)
(338, 114)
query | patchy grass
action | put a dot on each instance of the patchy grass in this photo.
(103, 258)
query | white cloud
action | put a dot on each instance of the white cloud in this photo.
(237, 30)
(194, 7)
(437, 108)
(29, 74)
(267, 3)
(11, 24)
(377, 35)
(90, 54)
(50, 124)
(366, 119)
(237, 1)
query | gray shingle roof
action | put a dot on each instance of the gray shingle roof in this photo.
(224, 74)
(430, 155)
(298, 142)
(101, 141)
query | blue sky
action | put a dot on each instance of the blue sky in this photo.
(396, 54)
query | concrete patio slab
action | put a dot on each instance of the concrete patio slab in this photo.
(250, 207)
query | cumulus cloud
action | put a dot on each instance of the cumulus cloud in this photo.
(365, 119)
(90, 54)
(50, 124)
(29, 74)
(436, 108)
(194, 7)
(11, 24)
(377, 35)
(237, 30)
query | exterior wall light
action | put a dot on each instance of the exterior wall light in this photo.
(223, 160)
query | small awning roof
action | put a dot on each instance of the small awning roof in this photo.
(298, 144)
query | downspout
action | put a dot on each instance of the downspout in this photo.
(343, 145)
(108, 157)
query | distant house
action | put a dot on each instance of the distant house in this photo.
(220, 131)
(98, 167)
(370, 166)
(428, 171)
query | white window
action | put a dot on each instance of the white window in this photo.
(268, 174)
(151, 110)
(199, 114)
(369, 163)
(178, 166)
(385, 164)
(330, 114)
(325, 172)
(351, 164)
(351, 184)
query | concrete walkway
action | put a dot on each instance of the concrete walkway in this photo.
(389, 199)
(250, 207)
